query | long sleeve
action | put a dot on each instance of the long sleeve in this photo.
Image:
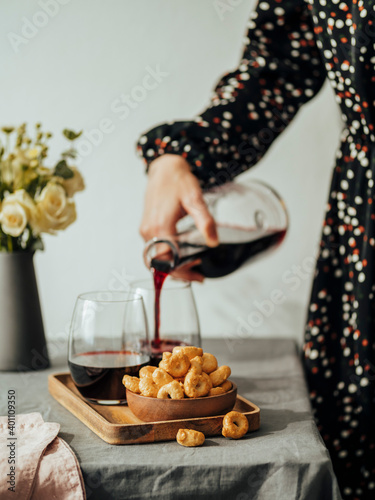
(279, 71)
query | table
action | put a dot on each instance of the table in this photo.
(285, 460)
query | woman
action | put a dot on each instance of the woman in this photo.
(292, 46)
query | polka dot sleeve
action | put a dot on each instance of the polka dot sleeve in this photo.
(279, 71)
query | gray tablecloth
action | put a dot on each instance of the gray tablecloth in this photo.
(285, 460)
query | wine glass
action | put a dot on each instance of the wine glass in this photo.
(108, 339)
(175, 315)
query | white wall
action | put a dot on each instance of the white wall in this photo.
(70, 73)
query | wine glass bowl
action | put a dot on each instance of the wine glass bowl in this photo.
(174, 316)
(108, 339)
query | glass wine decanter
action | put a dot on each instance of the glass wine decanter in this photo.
(251, 219)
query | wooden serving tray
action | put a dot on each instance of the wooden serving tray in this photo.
(118, 425)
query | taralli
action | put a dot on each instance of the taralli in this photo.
(215, 391)
(176, 364)
(187, 371)
(178, 348)
(220, 375)
(197, 364)
(181, 385)
(227, 385)
(161, 377)
(235, 425)
(146, 371)
(191, 351)
(209, 362)
(172, 390)
(148, 387)
(190, 437)
(197, 385)
(131, 383)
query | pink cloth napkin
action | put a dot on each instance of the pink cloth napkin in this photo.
(46, 467)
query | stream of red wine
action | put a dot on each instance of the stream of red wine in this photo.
(159, 278)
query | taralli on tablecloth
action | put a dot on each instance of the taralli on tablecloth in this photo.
(190, 437)
(235, 425)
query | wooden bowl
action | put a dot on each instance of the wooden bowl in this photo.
(156, 410)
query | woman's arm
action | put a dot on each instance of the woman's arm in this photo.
(279, 71)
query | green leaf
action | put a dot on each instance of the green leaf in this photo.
(70, 153)
(62, 170)
(32, 187)
(37, 244)
(71, 135)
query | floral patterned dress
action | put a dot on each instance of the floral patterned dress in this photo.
(291, 47)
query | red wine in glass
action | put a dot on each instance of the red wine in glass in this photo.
(98, 374)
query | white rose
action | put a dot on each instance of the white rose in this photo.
(13, 216)
(21, 198)
(52, 199)
(74, 184)
(54, 210)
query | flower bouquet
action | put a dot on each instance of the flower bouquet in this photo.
(34, 198)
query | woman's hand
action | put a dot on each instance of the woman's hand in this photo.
(172, 192)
